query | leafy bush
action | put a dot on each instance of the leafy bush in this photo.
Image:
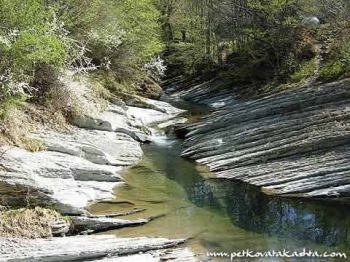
(332, 70)
(30, 37)
(187, 59)
(337, 54)
(9, 104)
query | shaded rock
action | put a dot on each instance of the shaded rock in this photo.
(209, 93)
(135, 101)
(181, 130)
(173, 122)
(163, 113)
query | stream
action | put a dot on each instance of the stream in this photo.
(220, 215)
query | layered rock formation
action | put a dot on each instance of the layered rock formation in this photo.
(294, 143)
(81, 165)
(94, 248)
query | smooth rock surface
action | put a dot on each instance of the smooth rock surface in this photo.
(81, 164)
(114, 119)
(65, 181)
(99, 147)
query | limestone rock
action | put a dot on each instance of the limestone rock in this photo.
(66, 181)
(99, 147)
(98, 224)
(294, 143)
(82, 248)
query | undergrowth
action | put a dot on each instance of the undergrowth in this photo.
(28, 223)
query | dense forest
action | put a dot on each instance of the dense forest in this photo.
(127, 46)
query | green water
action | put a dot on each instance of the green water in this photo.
(221, 215)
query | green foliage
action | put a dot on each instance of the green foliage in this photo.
(332, 70)
(337, 54)
(31, 48)
(30, 35)
(20, 15)
(305, 70)
(116, 36)
(187, 59)
(140, 20)
(9, 104)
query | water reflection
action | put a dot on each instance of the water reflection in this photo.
(250, 209)
(254, 211)
(221, 215)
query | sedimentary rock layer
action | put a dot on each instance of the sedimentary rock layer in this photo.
(292, 143)
(83, 163)
(91, 248)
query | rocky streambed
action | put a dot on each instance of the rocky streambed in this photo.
(291, 144)
(80, 166)
(295, 143)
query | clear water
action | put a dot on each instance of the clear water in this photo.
(221, 215)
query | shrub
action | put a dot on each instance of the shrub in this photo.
(332, 70)
(155, 68)
(305, 70)
(31, 36)
(187, 59)
(336, 55)
(10, 104)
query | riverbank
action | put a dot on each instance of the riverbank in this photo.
(79, 165)
(293, 143)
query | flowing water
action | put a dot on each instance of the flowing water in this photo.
(221, 215)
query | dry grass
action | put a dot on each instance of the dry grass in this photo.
(14, 127)
(20, 121)
(68, 98)
(28, 223)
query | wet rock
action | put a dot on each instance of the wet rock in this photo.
(181, 130)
